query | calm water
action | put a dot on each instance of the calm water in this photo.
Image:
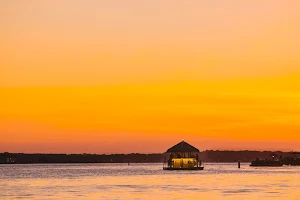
(147, 181)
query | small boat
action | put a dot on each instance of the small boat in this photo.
(267, 162)
(263, 163)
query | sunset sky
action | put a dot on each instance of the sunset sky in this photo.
(139, 76)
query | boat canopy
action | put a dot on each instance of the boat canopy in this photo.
(182, 147)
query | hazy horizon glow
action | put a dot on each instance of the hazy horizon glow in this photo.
(140, 76)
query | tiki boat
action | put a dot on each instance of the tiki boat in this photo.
(182, 156)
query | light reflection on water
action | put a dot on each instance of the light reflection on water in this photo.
(147, 181)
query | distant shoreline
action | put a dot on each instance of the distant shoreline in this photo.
(213, 156)
(131, 163)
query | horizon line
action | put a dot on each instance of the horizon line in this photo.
(150, 153)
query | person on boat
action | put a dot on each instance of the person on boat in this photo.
(198, 161)
(170, 160)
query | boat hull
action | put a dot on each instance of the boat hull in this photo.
(194, 168)
(266, 165)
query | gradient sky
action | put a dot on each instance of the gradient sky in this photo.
(139, 76)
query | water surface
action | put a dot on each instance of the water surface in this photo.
(147, 181)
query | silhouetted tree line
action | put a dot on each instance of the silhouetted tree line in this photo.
(22, 158)
(206, 156)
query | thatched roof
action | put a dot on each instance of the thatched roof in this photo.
(182, 147)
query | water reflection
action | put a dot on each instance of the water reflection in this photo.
(147, 181)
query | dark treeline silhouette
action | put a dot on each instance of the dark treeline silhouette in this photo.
(22, 158)
(206, 156)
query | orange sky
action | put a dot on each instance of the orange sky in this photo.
(140, 76)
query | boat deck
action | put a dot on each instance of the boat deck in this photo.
(194, 168)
